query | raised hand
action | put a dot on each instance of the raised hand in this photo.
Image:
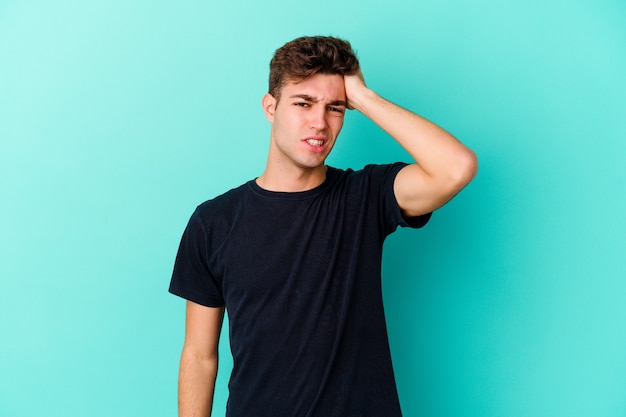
(355, 87)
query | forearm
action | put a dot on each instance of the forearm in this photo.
(196, 384)
(436, 151)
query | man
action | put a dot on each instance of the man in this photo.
(294, 256)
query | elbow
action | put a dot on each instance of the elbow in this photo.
(464, 169)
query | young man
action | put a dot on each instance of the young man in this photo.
(294, 256)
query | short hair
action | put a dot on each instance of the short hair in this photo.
(309, 55)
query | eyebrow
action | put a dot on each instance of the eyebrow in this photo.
(312, 99)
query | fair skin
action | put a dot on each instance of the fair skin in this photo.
(199, 360)
(443, 165)
(305, 124)
(311, 112)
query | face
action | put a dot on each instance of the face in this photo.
(306, 121)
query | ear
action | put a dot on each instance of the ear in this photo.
(269, 106)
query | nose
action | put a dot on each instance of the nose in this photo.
(318, 118)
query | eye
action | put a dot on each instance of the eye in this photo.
(301, 104)
(335, 109)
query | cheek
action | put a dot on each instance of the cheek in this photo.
(337, 124)
(295, 121)
(289, 122)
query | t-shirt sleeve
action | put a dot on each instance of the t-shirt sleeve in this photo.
(192, 278)
(384, 176)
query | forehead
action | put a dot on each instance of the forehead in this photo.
(320, 86)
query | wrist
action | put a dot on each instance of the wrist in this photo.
(360, 99)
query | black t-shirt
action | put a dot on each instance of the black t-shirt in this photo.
(299, 274)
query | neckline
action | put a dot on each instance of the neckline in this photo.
(331, 174)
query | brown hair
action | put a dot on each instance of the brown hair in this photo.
(309, 55)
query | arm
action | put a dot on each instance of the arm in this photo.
(443, 164)
(199, 360)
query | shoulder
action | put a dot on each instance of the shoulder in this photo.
(372, 174)
(229, 198)
(221, 208)
(383, 170)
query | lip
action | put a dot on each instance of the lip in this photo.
(315, 148)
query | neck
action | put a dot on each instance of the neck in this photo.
(294, 181)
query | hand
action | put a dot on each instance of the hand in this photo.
(354, 85)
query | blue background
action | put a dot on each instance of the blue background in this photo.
(117, 118)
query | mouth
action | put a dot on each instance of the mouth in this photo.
(315, 142)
